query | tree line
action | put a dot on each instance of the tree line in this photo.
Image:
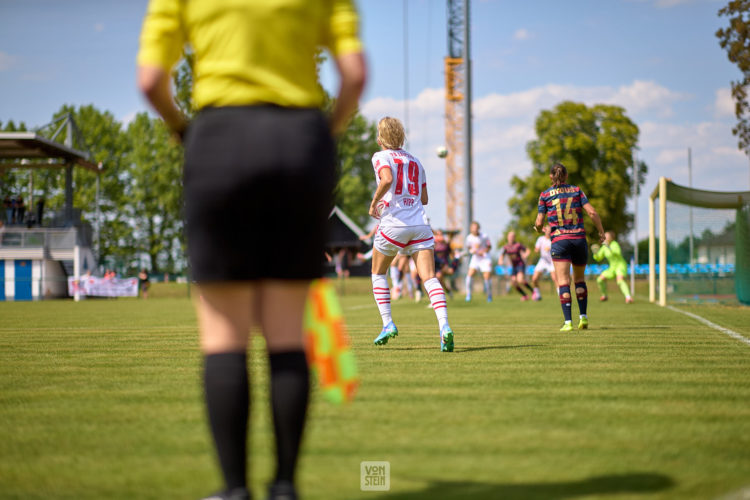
(140, 191)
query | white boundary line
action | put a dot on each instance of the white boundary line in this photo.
(727, 331)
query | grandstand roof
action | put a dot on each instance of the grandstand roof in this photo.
(30, 150)
(342, 231)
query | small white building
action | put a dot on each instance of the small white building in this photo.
(36, 259)
(35, 263)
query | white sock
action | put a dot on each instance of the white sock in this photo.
(468, 285)
(437, 299)
(488, 288)
(382, 297)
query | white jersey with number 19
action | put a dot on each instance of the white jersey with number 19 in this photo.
(404, 198)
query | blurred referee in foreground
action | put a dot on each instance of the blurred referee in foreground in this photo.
(261, 148)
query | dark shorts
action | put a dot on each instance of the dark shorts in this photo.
(518, 268)
(258, 186)
(574, 251)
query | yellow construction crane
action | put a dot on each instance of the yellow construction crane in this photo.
(458, 119)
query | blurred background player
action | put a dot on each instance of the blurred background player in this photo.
(403, 227)
(442, 260)
(259, 145)
(516, 253)
(543, 246)
(618, 267)
(564, 204)
(479, 246)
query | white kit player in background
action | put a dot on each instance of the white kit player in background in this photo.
(479, 246)
(403, 228)
(544, 247)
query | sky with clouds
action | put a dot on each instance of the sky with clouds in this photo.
(659, 59)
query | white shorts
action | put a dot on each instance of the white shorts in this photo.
(403, 239)
(544, 265)
(482, 263)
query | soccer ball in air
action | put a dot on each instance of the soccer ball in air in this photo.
(442, 151)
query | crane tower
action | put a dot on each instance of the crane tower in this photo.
(458, 118)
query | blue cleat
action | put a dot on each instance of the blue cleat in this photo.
(489, 298)
(389, 331)
(446, 339)
(468, 298)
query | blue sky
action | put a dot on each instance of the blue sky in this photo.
(659, 59)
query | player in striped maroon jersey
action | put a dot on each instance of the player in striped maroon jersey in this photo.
(564, 204)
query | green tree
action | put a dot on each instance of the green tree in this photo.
(154, 192)
(596, 145)
(735, 39)
(101, 135)
(182, 79)
(12, 181)
(356, 181)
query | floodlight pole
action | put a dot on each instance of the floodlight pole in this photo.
(635, 224)
(690, 214)
(69, 175)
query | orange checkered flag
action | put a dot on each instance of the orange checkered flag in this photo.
(328, 349)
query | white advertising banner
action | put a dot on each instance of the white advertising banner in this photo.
(103, 287)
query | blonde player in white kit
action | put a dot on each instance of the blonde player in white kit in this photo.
(402, 187)
(544, 247)
(479, 246)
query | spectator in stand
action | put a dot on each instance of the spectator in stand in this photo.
(13, 210)
(20, 211)
(8, 206)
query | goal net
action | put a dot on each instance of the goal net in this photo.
(699, 245)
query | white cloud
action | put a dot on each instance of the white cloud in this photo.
(724, 103)
(666, 4)
(637, 97)
(6, 61)
(670, 156)
(522, 34)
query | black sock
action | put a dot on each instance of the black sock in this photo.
(290, 387)
(228, 404)
(582, 296)
(565, 302)
(526, 284)
(520, 290)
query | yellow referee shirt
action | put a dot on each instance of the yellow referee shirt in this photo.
(250, 51)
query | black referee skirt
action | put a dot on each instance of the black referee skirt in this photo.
(258, 186)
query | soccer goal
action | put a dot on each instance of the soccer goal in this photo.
(703, 244)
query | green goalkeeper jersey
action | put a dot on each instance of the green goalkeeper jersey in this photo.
(613, 254)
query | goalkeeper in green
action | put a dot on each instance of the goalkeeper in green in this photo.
(618, 267)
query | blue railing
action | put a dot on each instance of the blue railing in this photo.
(642, 269)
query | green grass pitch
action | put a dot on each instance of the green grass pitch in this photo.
(102, 400)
